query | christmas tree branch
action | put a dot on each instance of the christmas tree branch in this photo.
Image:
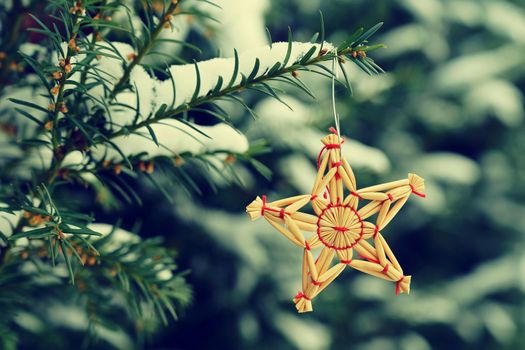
(105, 100)
(11, 43)
(147, 45)
(54, 226)
(49, 176)
(355, 52)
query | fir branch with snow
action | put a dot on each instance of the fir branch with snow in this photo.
(82, 109)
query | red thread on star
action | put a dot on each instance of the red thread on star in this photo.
(398, 285)
(376, 231)
(300, 295)
(422, 195)
(361, 233)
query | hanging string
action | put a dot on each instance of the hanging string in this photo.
(334, 110)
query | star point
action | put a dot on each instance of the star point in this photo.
(339, 226)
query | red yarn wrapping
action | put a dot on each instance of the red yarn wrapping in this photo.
(369, 259)
(398, 285)
(316, 283)
(265, 208)
(319, 227)
(356, 194)
(332, 130)
(422, 195)
(263, 197)
(328, 146)
(306, 245)
(300, 295)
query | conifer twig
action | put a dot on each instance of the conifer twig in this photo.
(233, 89)
(119, 86)
(11, 46)
(58, 155)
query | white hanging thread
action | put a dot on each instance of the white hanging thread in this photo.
(336, 115)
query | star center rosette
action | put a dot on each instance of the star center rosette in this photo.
(340, 226)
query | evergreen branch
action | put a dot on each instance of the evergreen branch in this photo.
(50, 175)
(352, 53)
(149, 42)
(140, 273)
(135, 270)
(12, 42)
(96, 36)
(59, 105)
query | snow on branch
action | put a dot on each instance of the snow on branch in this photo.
(186, 83)
(210, 71)
(175, 137)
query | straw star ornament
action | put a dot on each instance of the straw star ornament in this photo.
(340, 224)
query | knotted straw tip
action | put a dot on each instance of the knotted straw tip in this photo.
(417, 183)
(331, 139)
(302, 304)
(255, 209)
(404, 285)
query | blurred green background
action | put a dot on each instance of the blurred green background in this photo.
(450, 108)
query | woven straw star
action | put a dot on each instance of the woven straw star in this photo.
(339, 225)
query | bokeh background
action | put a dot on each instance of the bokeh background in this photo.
(450, 108)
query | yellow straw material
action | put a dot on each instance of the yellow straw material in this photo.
(339, 225)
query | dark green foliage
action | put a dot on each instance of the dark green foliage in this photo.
(54, 254)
